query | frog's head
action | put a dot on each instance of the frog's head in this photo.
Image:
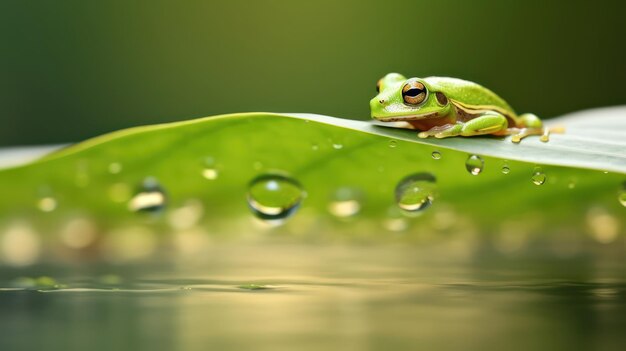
(401, 99)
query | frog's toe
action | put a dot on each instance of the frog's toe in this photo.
(524, 132)
(423, 135)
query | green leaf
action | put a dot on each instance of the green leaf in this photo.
(205, 167)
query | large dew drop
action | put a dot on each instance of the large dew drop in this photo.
(474, 164)
(274, 197)
(416, 192)
(150, 198)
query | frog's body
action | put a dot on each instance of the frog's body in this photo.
(445, 107)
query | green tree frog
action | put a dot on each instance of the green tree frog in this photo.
(445, 107)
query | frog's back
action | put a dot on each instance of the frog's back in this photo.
(468, 93)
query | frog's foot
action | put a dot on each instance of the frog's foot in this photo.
(532, 125)
(556, 130)
(518, 134)
(447, 130)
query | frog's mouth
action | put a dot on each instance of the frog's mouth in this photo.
(409, 117)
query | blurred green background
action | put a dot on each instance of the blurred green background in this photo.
(75, 69)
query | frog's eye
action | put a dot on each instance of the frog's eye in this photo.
(414, 92)
(378, 84)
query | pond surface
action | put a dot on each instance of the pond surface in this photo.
(299, 297)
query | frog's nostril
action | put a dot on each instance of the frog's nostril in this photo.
(382, 101)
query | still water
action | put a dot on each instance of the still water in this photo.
(319, 297)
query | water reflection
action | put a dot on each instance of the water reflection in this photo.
(323, 297)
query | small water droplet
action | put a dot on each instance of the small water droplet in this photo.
(393, 143)
(257, 165)
(571, 184)
(337, 146)
(47, 204)
(436, 155)
(315, 147)
(416, 192)
(538, 177)
(210, 173)
(274, 197)
(506, 169)
(150, 198)
(115, 167)
(474, 164)
(346, 202)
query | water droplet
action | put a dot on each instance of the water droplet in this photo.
(274, 197)
(315, 147)
(393, 143)
(571, 184)
(436, 155)
(337, 146)
(210, 173)
(474, 164)
(538, 177)
(622, 195)
(416, 192)
(257, 165)
(115, 167)
(151, 197)
(506, 169)
(346, 202)
(47, 204)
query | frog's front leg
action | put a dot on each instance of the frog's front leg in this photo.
(488, 123)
